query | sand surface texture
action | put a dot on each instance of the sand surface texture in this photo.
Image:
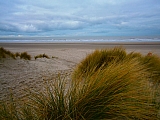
(17, 75)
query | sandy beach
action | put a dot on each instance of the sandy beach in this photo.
(17, 75)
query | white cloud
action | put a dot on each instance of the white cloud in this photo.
(28, 28)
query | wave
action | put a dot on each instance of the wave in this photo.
(76, 39)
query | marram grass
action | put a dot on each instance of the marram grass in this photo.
(6, 53)
(116, 89)
(98, 58)
(105, 57)
(41, 56)
(25, 56)
(119, 91)
(153, 64)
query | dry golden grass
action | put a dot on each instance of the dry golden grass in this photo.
(6, 53)
(25, 56)
(152, 63)
(98, 59)
(119, 91)
(17, 54)
(103, 58)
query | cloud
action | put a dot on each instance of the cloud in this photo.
(92, 17)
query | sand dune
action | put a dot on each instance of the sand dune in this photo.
(17, 75)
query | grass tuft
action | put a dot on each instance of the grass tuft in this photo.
(6, 53)
(98, 59)
(41, 56)
(25, 56)
(152, 63)
(103, 58)
(118, 91)
(17, 54)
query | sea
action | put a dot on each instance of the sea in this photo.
(76, 39)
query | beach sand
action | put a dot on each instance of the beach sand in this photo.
(18, 75)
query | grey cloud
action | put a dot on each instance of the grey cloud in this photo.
(18, 28)
(78, 17)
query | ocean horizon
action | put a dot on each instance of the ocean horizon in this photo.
(79, 39)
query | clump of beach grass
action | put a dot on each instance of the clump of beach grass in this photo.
(98, 58)
(25, 55)
(152, 62)
(50, 104)
(134, 55)
(6, 53)
(41, 56)
(118, 91)
(17, 54)
(103, 58)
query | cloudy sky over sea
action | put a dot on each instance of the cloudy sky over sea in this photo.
(79, 17)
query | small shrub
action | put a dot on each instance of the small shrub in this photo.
(25, 56)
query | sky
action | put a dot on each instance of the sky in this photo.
(79, 17)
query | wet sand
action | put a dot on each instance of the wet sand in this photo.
(17, 75)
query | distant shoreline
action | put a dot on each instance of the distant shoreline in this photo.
(85, 42)
(83, 39)
(131, 46)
